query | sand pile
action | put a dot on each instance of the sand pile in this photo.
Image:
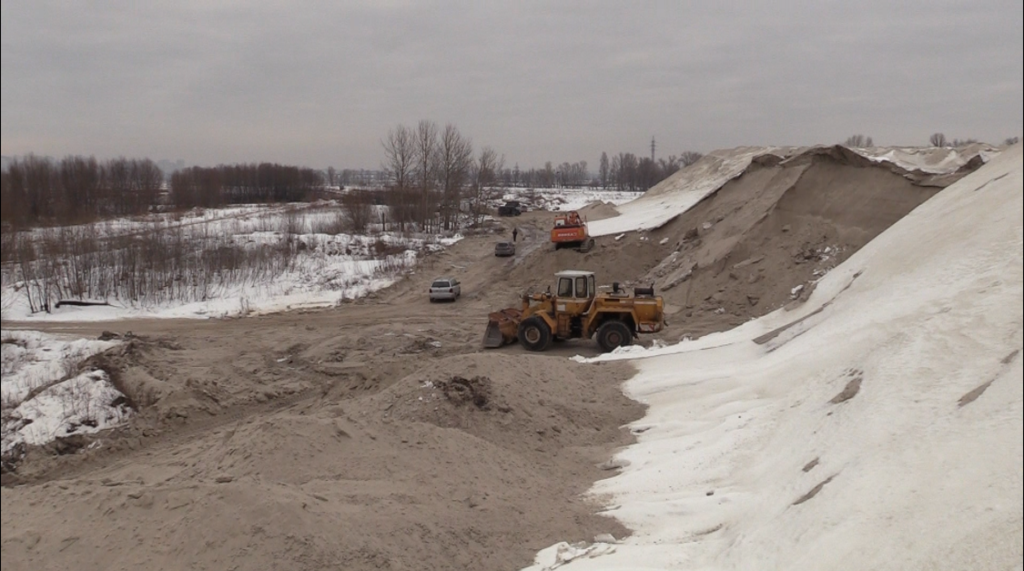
(473, 463)
(758, 242)
(764, 238)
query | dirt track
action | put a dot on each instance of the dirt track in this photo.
(379, 435)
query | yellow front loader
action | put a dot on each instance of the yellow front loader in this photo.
(577, 310)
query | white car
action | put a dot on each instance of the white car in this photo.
(445, 288)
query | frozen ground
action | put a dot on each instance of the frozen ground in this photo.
(877, 426)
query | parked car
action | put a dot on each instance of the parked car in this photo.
(445, 288)
(504, 249)
(511, 208)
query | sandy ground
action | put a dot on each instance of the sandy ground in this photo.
(379, 434)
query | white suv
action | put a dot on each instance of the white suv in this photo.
(445, 288)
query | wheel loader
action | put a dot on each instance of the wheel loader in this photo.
(577, 310)
(570, 231)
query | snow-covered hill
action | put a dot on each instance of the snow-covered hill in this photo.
(877, 426)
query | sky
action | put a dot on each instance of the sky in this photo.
(321, 83)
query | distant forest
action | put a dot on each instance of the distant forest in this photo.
(73, 190)
(432, 175)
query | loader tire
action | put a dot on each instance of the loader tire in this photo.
(534, 334)
(614, 334)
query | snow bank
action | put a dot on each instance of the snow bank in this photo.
(42, 397)
(934, 160)
(564, 199)
(878, 426)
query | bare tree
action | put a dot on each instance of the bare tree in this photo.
(332, 176)
(687, 158)
(455, 158)
(400, 157)
(426, 168)
(603, 169)
(938, 140)
(859, 141)
(488, 165)
(359, 205)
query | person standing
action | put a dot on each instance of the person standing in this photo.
(515, 234)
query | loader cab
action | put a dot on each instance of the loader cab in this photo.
(574, 295)
(576, 285)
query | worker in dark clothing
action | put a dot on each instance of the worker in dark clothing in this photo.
(515, 234)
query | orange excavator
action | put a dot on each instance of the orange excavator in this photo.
(570, 231)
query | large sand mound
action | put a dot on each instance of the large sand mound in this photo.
(471, 463)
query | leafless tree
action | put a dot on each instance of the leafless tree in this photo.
(604, 170)
(426, 168)
(332, 176)
(859, 141)
(359, 205)
(400, 157)
(687, 158)
(455, 158)
(938, 140)
(488, 165)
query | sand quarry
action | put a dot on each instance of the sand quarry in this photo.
(380, 435)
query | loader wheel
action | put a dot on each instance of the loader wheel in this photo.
(534, 334)
(614, 334)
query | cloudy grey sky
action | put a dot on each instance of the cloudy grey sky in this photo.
(320, 83)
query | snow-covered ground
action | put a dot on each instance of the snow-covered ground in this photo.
(564, 199)
(326, 267)
(877, 426)
(681, 191)
(44, 397)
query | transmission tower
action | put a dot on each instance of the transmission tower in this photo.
(652, 149)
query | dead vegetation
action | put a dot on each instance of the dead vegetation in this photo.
(163, 263)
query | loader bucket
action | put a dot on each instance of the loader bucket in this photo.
(502, 328)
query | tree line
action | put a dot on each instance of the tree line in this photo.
(41, 191)
(434, 177)
(75, 189)
(243, 184)
(935, 140)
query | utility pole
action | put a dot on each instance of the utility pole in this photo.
(652, 149)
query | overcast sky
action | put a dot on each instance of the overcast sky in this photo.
(321, 83)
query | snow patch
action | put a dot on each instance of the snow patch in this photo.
(44, 398)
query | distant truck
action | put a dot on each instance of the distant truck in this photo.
(511, 208)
